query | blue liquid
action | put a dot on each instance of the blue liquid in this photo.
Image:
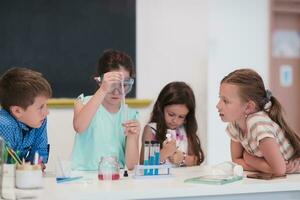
(146, 170)
(157, 155)
(152, 159)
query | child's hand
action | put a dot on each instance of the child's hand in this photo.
(110, 80)
(43, 166)
(293, 166)
(177, 157)
(169, 148)
(131, 127)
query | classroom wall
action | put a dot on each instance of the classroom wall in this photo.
(172, 46)
(187, 40)
(238, 37)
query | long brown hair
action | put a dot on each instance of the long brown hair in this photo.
(178, 93)
(251, 87)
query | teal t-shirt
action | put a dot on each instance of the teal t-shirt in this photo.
(104, 137)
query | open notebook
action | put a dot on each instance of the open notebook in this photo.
(214, 179)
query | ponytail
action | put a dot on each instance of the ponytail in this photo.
(275, 113)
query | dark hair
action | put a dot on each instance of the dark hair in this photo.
(178, 93)
(251, 87)
(20, 86)
(113, 60)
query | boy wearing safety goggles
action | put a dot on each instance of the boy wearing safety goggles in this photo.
(104, 125)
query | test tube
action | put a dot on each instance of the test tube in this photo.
(157, 156)
(152, 156)
(146, 156)
(125, 112)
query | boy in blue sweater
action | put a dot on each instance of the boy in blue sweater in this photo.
(23, 97)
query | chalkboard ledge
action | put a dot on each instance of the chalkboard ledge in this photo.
(68, 102)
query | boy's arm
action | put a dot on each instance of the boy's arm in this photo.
(237, 151)
(272, 161)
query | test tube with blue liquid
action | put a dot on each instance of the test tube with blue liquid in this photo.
(146, 156)
(152, 156)
(157, 156)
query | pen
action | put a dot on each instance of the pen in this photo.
(27, 153)
(18, 153)
(36, 158)
(48, 152)
(62, 180)
(14, 155)
(40, 160)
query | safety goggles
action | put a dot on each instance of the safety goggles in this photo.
(127, 84)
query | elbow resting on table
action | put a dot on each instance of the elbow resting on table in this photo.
(279, 171)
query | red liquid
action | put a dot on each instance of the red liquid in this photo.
(113, 177)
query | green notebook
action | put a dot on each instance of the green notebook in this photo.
(214, 179)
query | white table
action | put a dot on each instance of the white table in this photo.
(173, 188)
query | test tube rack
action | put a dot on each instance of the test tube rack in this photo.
(152, 171)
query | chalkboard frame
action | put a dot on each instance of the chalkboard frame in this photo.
(78, 36)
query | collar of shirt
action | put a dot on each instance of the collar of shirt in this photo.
(23, 126)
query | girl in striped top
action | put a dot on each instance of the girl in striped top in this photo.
(261, 140)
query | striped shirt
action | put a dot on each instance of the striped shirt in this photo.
(260, 126)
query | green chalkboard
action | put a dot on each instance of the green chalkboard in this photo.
(63, 39)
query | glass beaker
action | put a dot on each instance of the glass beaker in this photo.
(109, 168)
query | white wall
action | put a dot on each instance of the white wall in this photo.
(238, 37)
(60, 135)
(172, 46)
(193, 41)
